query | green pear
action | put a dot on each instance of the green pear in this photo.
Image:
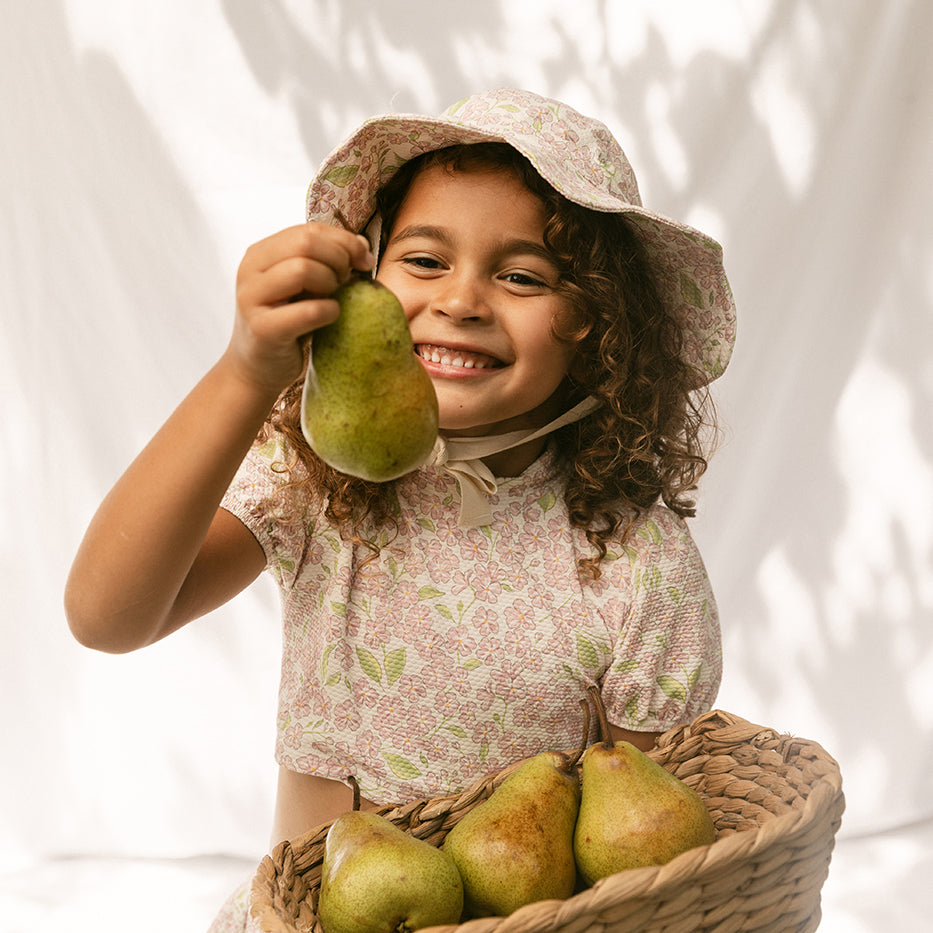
(633, 813)
(368, 407)
(516, 847)
(377, 879)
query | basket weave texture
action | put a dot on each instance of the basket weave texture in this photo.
(776, 802)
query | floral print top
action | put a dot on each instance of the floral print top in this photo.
(456, 652)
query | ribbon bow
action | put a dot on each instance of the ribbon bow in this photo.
(462, 458)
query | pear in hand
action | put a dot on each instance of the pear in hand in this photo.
(516, 847)
(633, 813)
(377, 879)
(368, 407)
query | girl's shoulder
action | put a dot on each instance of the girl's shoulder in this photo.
(661, 538)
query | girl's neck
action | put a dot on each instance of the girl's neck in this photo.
(516, 460)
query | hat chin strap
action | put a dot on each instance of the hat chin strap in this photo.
(462, 458)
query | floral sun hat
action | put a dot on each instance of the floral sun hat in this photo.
(576, 155)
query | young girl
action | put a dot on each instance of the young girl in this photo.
(440, 626)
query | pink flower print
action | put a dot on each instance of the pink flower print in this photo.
(615, 612)
(389, 712)
(436, 676)
(306, 764)
(432, 646)
(412, 690)
(487, 698)
(438, 561)
(516, 642)
(405, 593)
(520, 617)
(460, 681)
(461, 641)
(460, 581)
(448, 705)
(570, 616)
(373, 583)
(347, 716)
(525, 717)
(438, 745)
(487, 584)
(515, 746)
(423, 719)
(375, 631)
(475, 546)
(292, 735)
(485, 732)
(301, 708)
(321, 203)
(489, 651)
(367, 746)
(509, 681)
(365, 693)
(532, 540)
(484, 621)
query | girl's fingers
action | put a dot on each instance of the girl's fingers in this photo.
(325, 247)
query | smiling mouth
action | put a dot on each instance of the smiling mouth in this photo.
(464, 359)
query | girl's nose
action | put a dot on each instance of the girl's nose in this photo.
(462, 298)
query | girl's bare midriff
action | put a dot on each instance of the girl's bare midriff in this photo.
(305, 801)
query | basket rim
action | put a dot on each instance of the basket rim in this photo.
(688, 868)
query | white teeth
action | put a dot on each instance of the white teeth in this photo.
(449, 358)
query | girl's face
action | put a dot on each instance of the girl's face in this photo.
(467, 260)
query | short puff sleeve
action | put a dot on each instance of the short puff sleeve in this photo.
(667, 656)
(268, 497)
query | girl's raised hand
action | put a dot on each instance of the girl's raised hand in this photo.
(283, 290)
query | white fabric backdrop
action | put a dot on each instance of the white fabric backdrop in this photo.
(144, 146)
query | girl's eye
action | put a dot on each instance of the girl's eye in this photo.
(422, 262)
(524, 279)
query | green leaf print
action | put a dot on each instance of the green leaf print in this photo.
(339, 609)
(325, 659)
(631, 711)
(395, 664)
(654, 532)
(471, 664)
(456, 730)
(429, 592)
(694, 676)
(369, 664)
(690, 291)
(547, 501)
(672, 687)
(343, 175)
(586, 653)
(401, 766)
(625, 667)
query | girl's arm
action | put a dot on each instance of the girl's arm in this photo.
(158, 552)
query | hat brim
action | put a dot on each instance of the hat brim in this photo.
(686, 263)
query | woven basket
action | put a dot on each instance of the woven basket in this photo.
(776, 802)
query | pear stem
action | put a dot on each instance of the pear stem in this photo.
(351, 780)
(586, 733)
(604, 732)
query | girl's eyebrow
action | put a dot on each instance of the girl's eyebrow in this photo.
(511, 247)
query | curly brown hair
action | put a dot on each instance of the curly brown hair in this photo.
(646, 442)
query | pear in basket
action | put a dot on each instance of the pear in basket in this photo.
(516, 847)
(368, 406)
(633, 813)
(377, 879)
